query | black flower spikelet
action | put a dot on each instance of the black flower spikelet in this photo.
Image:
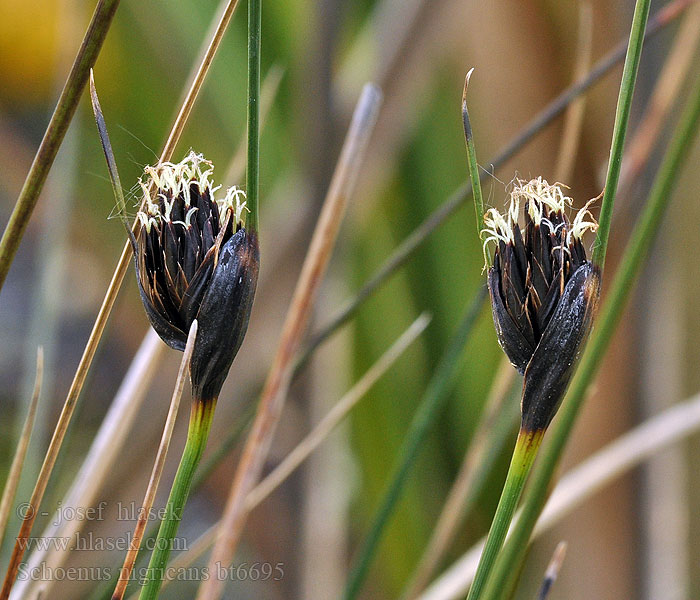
(543, 291)
(195, 260)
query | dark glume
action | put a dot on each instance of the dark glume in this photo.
(178, 257)
(535, 269)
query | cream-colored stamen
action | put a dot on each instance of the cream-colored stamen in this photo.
(541, 200)
(174, 180)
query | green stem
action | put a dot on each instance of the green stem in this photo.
(624, 102)
(252, 169)
(104, 591)
(197, 434)
(55, 132)
(524, 454)
(623, 284)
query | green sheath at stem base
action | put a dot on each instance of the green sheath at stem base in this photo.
(200, 422)
(524, 454)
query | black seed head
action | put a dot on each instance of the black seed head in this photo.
(543, 291)
(195, 260)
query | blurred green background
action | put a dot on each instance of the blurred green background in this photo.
(418, 52)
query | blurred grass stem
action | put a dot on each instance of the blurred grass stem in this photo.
(99, 462)
(197, 79)
(12, 482)
(430, 407)
(334, 417)
(573, 121)
(665, 95)
(552, 572)
(495, 426)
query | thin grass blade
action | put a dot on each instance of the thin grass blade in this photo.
(622, 114)
(97, 465)
(109, 156)
(495, 426)
(253, 165)
(428, 410)
(268, 93)
(666, 92)
(337, 414)
(158, 465)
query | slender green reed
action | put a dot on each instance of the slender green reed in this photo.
(253, 165)
(198, 431)
(429, 409)
(622, 114)
(202, 473)
(474, 176)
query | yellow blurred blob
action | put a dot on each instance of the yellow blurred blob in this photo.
(28, 49)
